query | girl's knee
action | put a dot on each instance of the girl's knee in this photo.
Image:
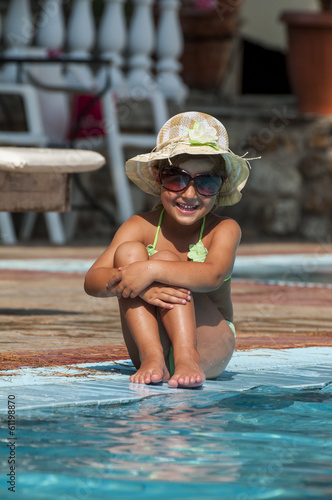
(129, 252)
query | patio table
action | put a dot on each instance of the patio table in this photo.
(38, 180)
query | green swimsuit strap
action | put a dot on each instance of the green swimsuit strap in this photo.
(158, 229)
(153, 246)
(202, 229)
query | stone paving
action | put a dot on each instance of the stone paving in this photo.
(47, 319)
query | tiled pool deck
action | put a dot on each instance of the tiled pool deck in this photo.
(108, 383)
(61, 347)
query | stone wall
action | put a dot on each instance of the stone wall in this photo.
(288, 194)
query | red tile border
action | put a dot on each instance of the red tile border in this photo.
(61, 357)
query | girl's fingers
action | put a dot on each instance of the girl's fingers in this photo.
(178, 294)
(171, 299)
(109, 284)
(113, 280)
(164, 305)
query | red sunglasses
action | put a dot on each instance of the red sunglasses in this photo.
(176, 180)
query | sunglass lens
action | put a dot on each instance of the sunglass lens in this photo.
(173, 180)
(208, 185)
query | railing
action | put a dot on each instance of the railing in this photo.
(144, 53)
(137, 58)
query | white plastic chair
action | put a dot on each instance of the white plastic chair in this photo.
(34, 136)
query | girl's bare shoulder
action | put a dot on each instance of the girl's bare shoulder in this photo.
(216, 223)
(222, 233)
(151, 217)
(142, 219)
(146, 219)
(141, 226)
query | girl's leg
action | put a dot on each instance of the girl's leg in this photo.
(202, 340)
(180, 325)
(215, 339)
(140, 325)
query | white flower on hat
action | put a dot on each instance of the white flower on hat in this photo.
(203, 134)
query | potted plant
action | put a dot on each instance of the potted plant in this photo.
(208, 27)
(309, 58)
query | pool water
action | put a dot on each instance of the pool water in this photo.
(263, 443)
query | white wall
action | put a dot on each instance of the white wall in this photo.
(261, 24)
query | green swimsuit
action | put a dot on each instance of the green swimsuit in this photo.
(197, 252)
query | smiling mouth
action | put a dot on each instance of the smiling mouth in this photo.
(188, 208)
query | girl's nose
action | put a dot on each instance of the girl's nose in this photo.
(190, 191)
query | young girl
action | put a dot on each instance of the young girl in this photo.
(170, 268)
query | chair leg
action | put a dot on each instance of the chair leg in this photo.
(28, 222)
(7, 230)
(116, 160)
(159, 109)
(70, 219)
(55, 228)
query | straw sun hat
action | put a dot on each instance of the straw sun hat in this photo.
(192, 133)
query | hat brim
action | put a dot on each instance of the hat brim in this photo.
(139, 169)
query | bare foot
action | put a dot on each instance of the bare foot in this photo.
(188, 373)
(151, 371)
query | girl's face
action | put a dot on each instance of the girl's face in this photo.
(188, 206)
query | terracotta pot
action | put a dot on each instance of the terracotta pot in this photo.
(208, 38)
(325, 4)
(309, 59)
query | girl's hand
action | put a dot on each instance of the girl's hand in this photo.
(113, 282)
(135, 278)
(164, 296)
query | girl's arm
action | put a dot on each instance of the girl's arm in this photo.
(102, 278)
(96, 280)
(103, 270)
(195, 276)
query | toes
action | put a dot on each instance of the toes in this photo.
(156, 377)
(136, 379)
(173, 382)
(140, 379)
(149, 377)
(186, 381)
